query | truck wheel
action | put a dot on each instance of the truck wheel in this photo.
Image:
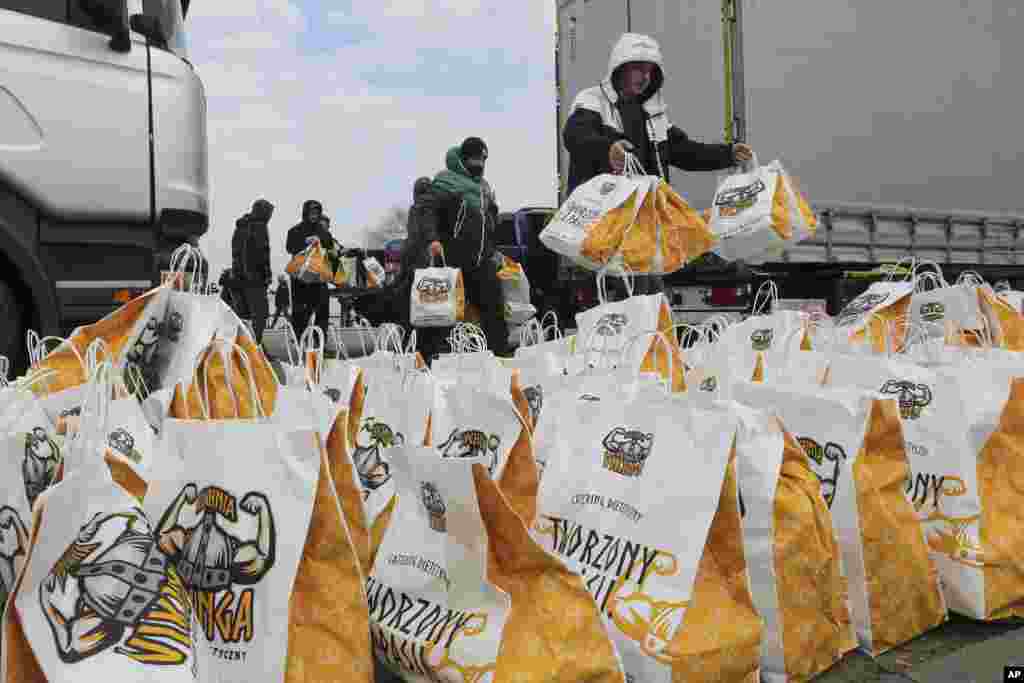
(12, 342)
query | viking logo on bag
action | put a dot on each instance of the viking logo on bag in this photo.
(472, 443)
(39, 467)
(123, 443)
(736, 199)
(371, 466)
(215, 561)
(709, 384)
(433, 290)
(860, 307)
(626, 451)
(434, 504)
(114, 588)
(912, 398)
(933, 312)
(761, 340)
(14, 541)
(333, 394)
(826, 462)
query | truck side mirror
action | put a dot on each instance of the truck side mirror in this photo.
(110, 16)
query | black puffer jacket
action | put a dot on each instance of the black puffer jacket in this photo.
(250, 246)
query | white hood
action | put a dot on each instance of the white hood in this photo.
(631, 47)
(635, 47)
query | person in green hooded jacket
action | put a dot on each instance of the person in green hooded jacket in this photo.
(458, 219)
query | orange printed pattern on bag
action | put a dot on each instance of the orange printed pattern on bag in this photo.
(554, 631)
(328, 628)
(721, 632)
(905, 598)
(113, 330)
(813, 609)
(1001, 485)
(605, 236)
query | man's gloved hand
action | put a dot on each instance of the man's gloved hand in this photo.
(617, 155)
(742, 152)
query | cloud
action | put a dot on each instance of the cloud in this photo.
(319, 100)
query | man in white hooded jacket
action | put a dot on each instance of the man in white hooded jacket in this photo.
(626, 112)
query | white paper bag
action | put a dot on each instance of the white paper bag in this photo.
(619, 507)
(585, 207)
(741, 215)
(437, 298)
(234, 526)
(943, 483)
(433, 559)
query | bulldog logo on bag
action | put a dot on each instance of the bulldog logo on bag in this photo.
(143, 354)
(114, 588)
(761, 340)
(434, 504)
(607, 187)
(535, 400)
(175, 326)
(912, 398)
(213, 561)
(626, 451)
(123, 443)
(860, 307)
(472, 443)
(933, 312)
(333, 394)
(14, 540)
(433, 290)
(709, 384)
(42, 455)
(373, 470)
(825, 461)
(737, 199)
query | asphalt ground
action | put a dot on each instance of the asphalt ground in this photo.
(960, 651)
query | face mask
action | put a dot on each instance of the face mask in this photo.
(475, 167)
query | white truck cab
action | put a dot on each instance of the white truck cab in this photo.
(103, 157)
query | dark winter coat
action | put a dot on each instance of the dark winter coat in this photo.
(250, 247)
(464, 224)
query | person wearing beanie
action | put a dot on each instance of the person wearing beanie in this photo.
(250, 266)
(626, 113)
(459, 219)
(309, 298)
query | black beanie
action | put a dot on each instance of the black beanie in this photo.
(420, 186)
(472, 147)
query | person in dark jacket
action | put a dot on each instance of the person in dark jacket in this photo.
(250, 264)
(459, 218)
(626, 113)
(282, 300)
(415, 249)
(309, 298)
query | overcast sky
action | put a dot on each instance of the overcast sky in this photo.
(349, 102)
